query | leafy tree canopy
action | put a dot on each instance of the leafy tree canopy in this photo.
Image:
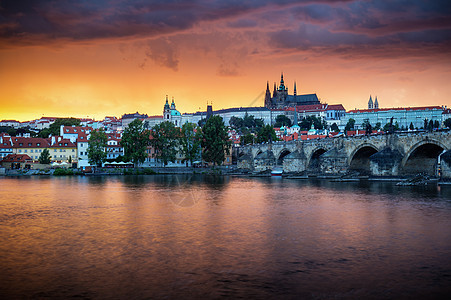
(247, 139)
(215, 140)
(282, 120)
(350, 125)
(447, 123)
(135, 140)
(266, 134)
(96, 147)
(247, 124)
(306, 123)
(334, 127)
(190, 142)
(367, 126)
(165, 140)
(45, 157)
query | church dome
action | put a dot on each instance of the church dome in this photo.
(175, 112)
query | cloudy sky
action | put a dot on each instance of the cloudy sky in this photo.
(101, 58)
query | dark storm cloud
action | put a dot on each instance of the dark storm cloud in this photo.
(289, 24)
(368, 26)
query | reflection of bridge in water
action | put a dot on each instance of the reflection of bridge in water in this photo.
(380, 155)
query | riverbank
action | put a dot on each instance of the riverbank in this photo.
(226, 171)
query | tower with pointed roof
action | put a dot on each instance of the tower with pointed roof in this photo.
(376, 104)
(167, 110)
(267, 95)
(370, 103)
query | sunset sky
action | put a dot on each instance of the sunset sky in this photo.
(110, 57)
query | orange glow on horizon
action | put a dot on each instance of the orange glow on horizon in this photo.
(226, 61)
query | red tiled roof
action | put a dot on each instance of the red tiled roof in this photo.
(23, 142)
(9, 121)
(6, 144)
(335, 107)
(63, 143)
(16, 158)
(396, 108)
(312, 107)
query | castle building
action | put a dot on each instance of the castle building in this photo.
(281, 99)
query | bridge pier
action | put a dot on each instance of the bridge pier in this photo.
(334, 161)
(295, 162)
(386, 162)
(445, 164)
(264, 161)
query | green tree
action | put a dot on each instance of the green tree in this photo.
(306, 123)
(350, 125)
(334, 127)
(248, 121)
(282, 120)
(96, 147)
(411, 126)
(259, 123)
(367, 126)
(190, 142)
(431, 125)
(135, 140)
(447, 123)
(436, 124)
(378, 126)
(215, 140)
(45, 157)
(247, 138)
(266, 134)
(236, 122)
(165, 140)
(202, 122)
(54, 128)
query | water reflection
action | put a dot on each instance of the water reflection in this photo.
(196, 236)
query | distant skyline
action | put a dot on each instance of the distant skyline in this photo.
(110, 57)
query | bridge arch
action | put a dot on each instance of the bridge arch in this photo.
(422, 157)
(359, 160)
(284, 152)
(313, 163)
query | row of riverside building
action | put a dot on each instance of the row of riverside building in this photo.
(72, 143)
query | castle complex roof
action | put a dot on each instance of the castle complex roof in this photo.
(396, 108)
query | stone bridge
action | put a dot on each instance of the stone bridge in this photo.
(378, 155)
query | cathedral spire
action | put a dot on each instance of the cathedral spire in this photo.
(166, 105)
(282, 83)
(370, 103)
(294, 92)
(173, 103)
(376, 104)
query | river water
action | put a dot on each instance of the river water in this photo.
(178, 237)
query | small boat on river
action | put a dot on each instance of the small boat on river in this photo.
(277, 172)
